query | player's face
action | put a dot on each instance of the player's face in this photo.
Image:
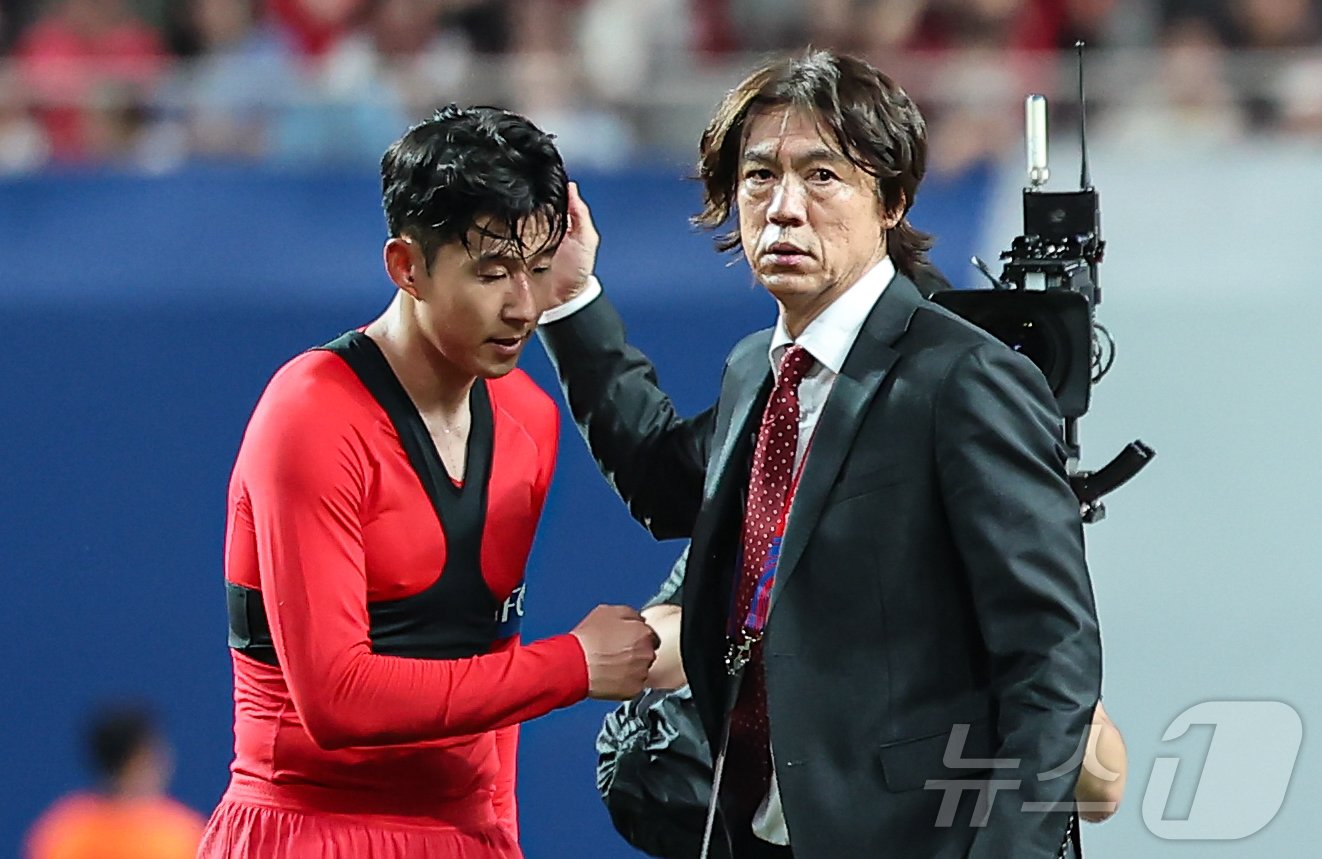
(479, 305)
(810, 221)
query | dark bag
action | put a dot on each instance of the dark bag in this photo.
(654, 773)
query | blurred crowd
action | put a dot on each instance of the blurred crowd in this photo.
(153, 84)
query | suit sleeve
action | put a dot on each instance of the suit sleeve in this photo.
(305, 478)
(654, 459)
(1018, 530)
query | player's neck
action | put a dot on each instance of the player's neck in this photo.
(435, 385)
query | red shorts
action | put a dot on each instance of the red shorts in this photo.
(276, 823)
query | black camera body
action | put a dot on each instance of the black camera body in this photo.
(1044, 302)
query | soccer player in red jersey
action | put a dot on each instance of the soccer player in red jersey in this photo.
(381, 512)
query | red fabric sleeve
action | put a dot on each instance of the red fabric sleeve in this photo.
(305, 478)
(507, 805)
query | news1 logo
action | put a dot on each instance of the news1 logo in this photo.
(1238, 789)
(1244, 776)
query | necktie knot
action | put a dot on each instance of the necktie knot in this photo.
(794, 366)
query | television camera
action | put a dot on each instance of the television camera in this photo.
(1044, 303)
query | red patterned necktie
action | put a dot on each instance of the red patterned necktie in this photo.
(769, 487)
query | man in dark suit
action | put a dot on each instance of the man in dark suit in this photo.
(886, 587)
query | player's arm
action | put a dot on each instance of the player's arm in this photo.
(503, 798)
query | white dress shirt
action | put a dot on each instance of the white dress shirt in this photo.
(828, 339)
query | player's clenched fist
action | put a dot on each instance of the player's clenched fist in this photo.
(620, 648)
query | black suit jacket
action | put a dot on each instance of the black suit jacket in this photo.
(932, 576)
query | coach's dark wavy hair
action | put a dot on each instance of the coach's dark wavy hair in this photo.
(874, 122)
(480, 168)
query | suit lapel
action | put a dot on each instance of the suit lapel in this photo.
(746, 382)
(866, 367)
(706, 589)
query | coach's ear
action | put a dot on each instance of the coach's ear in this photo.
(405, 264)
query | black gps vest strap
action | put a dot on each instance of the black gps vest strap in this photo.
(455, 617)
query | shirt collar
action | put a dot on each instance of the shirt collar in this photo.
(830, 336)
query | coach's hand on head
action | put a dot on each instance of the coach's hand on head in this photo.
(577, 254)
(619, 647)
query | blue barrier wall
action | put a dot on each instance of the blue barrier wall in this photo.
(144, 316)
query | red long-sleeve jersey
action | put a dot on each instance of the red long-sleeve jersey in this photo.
(328, 518)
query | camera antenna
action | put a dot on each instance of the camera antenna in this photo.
(1035, 135)
(1085, 181)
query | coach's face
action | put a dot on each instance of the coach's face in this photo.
(810, 220)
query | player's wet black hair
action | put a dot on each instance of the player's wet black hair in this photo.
(476, 168)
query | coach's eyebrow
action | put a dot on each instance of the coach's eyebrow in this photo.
(765, 154)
